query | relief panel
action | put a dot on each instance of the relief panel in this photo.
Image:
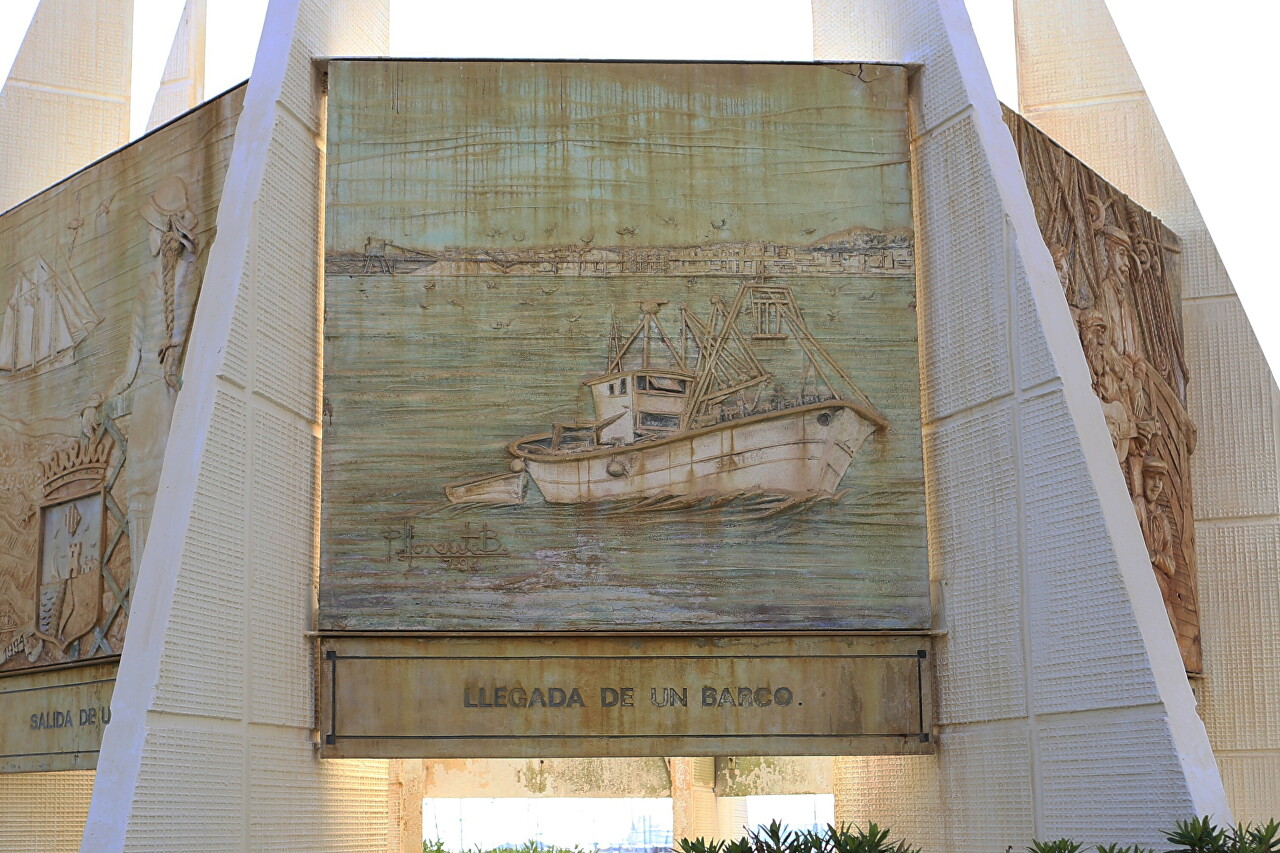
(1120, 271)
(99, 279)
(620, 347)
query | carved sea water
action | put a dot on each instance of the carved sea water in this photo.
(469, 379)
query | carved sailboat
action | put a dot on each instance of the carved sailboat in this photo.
(694, 420)
(45, 318)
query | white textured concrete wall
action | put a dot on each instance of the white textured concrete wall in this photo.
(546, 777)
(1078, 84)
(182, 82)
(43, 812)
(66, 102)
(210, 743)
(1062, 701)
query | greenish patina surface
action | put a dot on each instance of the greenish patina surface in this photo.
(491, 227)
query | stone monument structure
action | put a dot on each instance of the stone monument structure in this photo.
(1058, 466)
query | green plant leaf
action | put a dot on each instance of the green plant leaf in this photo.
(1062, 845)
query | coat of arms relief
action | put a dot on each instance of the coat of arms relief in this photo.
(69, 592)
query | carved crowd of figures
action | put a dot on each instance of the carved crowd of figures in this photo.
(1118, 267)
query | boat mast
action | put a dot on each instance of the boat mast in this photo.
(615, 341)
(817, 355)
(644, 331)
(738, 371)
(734, 372)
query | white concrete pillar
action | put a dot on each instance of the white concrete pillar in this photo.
(66, 102)
(405, 792)
(693, 798)
(1062, 703)
(182, 82)
(1079, 85)
(210, 746)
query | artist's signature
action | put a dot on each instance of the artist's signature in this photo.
(475, 542)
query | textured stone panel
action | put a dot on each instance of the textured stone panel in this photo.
(171, 100)
(195, 790)
(974, 544)
(889, 790)
(1111, 780)
(202, 667)
(1053, 68)
(1253, 785)
(300, 96)
(1235, 463)
(987, 787)
(190, 795)
(286, 281)
(942, 91)
(79, 45)
(1053, 522)
(235, 360)
(1034, 363)
(283, 525)
(1086, 649)
(363, 23)
(66, 101)
(964, 305)
(1203, 271)
(44, 812)
(85, 129)
(1230, 397)
(182, 81)
(1112, 157)
(343, 802)
(1240, 589)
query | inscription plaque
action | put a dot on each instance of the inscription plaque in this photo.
(622, 696)
(54, 720)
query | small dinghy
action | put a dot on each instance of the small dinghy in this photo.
(497, 489)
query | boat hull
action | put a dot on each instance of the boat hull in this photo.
(800, 451)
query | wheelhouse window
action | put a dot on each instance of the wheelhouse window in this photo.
(653, 420)
(667, 384)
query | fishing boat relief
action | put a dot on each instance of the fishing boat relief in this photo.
(699, 415)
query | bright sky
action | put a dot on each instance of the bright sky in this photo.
(1207, 75)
